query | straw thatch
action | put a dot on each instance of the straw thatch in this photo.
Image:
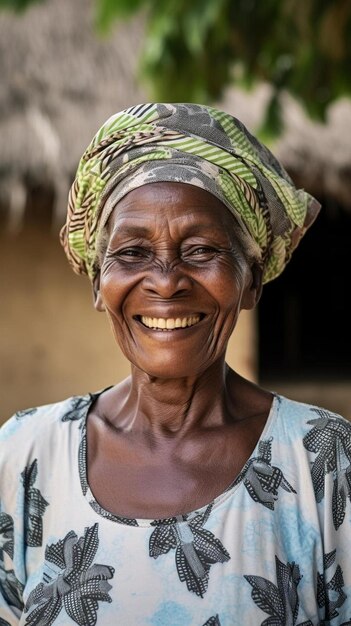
(60, 81)
(318, 156)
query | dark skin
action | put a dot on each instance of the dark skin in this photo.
(176, 433)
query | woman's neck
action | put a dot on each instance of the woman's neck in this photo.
(173, 407)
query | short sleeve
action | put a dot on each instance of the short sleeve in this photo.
(11, 547)
(329, 444)
(11, 589)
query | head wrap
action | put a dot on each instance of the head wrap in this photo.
(192, 144)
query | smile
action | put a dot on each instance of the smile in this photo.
(169, 323)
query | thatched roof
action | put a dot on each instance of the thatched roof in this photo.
(318, 156)
(59, 82)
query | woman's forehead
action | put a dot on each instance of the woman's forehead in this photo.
(182, 205)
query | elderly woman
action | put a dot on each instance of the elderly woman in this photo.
(184, 495)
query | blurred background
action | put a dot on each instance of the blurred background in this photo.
(282, 67)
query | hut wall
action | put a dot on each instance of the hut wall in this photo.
(53, 344)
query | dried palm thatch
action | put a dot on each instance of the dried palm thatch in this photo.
(317, 156)
(59, 82)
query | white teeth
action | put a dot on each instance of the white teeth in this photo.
(169, 323)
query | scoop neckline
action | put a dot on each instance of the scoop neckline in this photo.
(165, 521)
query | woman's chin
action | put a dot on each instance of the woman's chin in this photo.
(179, 353)
(168, 369)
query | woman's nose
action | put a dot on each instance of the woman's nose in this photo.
(167, 281)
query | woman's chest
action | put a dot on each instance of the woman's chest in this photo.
(160, 481)
(220, 563)
(161, 485)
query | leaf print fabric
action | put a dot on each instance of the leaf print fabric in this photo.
(10, 587)
(330, 595)
(261, 479)
(21, 414)
(6, 534)
(330, 440)
(79, 407)
(273, 549)
(213, 621)
(35, 506)
(280, 601)
(197, 549)
(79, 584)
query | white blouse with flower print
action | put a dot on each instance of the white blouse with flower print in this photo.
(274, 549)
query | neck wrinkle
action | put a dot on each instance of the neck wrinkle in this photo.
(169, 408)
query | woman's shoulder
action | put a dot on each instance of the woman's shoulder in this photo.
(310, 422)
(291, 407)
(31, 427)
(316, 452)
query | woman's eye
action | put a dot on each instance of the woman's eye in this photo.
(203, 250)
(132, 253)
(199, 254)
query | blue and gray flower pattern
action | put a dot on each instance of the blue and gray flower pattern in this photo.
(204, 559)
(77, 586)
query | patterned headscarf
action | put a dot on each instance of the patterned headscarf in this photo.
(192, 144)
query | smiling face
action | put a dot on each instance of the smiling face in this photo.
(173, 279)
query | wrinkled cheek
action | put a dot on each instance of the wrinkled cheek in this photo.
(119, 330)
(221, 331)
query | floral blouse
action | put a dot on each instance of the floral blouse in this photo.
(273, 550)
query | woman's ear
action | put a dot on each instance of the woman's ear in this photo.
(253, 290)
(98, 302)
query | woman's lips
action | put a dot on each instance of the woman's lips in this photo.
(170, 323)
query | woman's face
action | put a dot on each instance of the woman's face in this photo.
(173, 279)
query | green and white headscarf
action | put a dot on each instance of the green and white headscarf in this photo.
(197, 145)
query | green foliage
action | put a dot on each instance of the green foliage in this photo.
(109, 10)
(17, 5)
(194, 49)
(187, 49)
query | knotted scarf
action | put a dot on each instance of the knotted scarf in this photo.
(192, 144)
